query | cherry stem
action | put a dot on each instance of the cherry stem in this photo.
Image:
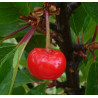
(28, 36)
(95, 33)
(47, 30)
(16, 32)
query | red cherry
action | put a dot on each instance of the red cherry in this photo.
(46, 64)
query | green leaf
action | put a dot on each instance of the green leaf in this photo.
(92, 80)
(37, 41)
(6, 29)
(19, 91)
(73, 35)
(26, 71)
(16, 59)
(86, 23)
(6, 72)
(22, 7)
(77, 19)
(89, 31)
(23, 62)
(85, 66)
(5, 65)
(21, 33)
(35, 4)
(21, 79)
(8, 13)
(5, 48)
(39, 90)
(96, 54)
(5, 84)
(92, 10)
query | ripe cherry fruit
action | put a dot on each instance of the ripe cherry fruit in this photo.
(46, 64)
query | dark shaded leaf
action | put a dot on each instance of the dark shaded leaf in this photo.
(39, 90)
(6, 83)
(19, 91)
(22, 79)
(92, 9)
(37, 41)
(5, 48)
(6, 72)
(8, 13)
(22, 7)
(26, 71)
(89, 31)
(6, 29)
(92, 80)
(77, 19)
(5, 65)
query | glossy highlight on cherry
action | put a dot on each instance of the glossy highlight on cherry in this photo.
(46, 64)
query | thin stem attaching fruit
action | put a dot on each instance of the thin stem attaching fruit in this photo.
(47, 30)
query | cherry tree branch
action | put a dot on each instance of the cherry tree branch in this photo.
(65, 44)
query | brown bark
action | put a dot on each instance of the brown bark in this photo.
(65, 44)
